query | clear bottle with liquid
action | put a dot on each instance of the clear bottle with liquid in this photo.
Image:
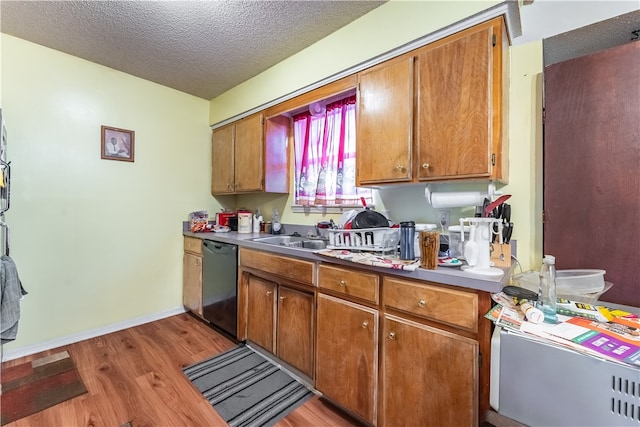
(547, 297)
(275, 222)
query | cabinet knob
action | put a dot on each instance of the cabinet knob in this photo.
(365, 324)
(282, 298)
(269, 293)
(343, 283)
(422, 303)
(425, 166)
(400, 168)
(392, 335)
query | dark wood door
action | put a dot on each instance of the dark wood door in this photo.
(592, 167)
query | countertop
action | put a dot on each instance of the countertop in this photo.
(445, 275)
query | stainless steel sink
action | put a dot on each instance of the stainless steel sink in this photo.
(292, 242)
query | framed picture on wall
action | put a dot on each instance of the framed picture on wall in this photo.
(117, 144)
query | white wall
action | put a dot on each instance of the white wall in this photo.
(97, 242)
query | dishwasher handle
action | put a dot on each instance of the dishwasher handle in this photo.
(218, 247)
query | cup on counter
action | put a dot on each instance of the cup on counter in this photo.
(429, 247)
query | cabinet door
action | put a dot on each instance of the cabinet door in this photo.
(429, 377)
(192, 283)
(455, 106)
(261, 295)
(385, 122)
(222, 160)
(294, 336)
(248, 148)
(346, 355)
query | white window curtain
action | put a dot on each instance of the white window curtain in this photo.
(325, 156)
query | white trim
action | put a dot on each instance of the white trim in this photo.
(509, 9)
(92, 333)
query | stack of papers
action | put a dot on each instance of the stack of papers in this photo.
(616, 340)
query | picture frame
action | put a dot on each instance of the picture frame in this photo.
(117, 144)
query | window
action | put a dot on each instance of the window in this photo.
(325, 155)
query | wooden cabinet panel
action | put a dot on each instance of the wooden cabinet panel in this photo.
(347, 356)
(437, 113)
(286, 267)
(429, 377)
(237, 153)
(295, 329)
(248, 154)
(222, 160)
(261, 295)
(385, 122)
(357, 284)
(192, 283)
(193, 245)
(444, 305)
(455, 106)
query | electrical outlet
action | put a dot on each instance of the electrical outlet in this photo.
(444, 218)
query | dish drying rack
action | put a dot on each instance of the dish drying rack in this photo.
(364, 239)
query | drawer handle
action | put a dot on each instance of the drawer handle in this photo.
(392, 335)
(422, 303)
(343, 283)
(425, 165)
(400, 168)
(365, 324)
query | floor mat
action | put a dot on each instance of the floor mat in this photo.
(33, 386)
(246, 389)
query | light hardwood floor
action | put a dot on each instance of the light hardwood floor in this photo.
(135, 375)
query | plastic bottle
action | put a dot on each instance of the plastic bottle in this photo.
(275, 222)
(547, 299)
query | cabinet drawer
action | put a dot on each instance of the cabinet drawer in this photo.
(353, 283)
(444, 305)
(283, 266)
(193, 245)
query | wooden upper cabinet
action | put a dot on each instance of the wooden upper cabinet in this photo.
(436, 113)
(248, 154)
(385, 122)
(222, 160)
(459, 105)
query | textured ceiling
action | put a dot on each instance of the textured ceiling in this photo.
(593, 38)
(199, 47)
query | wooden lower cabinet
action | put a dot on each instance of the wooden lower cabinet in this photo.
(294, 332)
(429, 377)
(280, 320)
(261, 318)
(347, 355)
(192, 275)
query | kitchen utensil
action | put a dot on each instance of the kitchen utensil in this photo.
(471, 248)
(500, 200)
(369, 219)
(430, 243)
(520, 293)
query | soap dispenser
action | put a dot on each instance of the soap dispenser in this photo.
(275, 222)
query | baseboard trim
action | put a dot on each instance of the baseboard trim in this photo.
(92, 333)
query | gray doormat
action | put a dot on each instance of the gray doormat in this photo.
(246, 389)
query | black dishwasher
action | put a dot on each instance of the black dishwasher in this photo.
(220, 285)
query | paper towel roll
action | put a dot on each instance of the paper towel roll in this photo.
(457, 199)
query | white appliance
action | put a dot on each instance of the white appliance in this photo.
(540, 384)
